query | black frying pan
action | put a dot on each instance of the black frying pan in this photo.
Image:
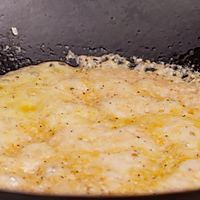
(167, 30)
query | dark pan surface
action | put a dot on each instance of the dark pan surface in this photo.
(157, 30)
(194, 195)
(167, 30)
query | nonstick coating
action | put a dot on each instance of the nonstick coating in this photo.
(167, 30)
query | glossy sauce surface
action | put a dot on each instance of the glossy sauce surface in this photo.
(98, 131)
